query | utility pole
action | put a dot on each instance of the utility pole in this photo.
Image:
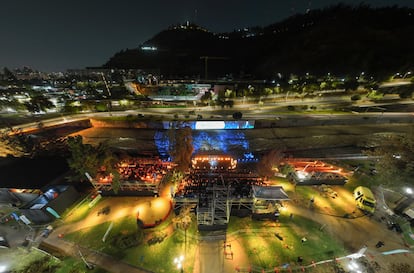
(106, 84)
(88, 265)
(206, 58)
(109, 105)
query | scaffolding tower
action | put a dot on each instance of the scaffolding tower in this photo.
(217, 212)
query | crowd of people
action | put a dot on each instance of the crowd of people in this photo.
(142, 169)
(199, 184)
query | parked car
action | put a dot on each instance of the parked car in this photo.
(394, 226)
(3, 242)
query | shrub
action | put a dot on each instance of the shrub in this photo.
(124, 241)
(356, 97)
(237, 115)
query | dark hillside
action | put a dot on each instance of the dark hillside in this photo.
(339, 39)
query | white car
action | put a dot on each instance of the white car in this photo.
(3, 242)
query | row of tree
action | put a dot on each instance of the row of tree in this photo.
(101, 161)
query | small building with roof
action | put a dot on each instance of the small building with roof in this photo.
(36, 188)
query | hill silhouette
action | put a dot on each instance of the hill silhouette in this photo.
(341, 39)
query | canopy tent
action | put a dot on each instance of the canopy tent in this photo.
(269, 193)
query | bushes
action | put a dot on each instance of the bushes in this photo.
(355, 97)
(44, 265)
(124, 241)
(237, 115)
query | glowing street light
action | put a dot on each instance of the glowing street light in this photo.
(3, 268)
(407, 191)
(178, 261)
(302, 175)
(354, 267)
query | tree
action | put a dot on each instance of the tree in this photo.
(43, 265)
(206, 97)
(406, 93)
(9, 75)
(86, 158)
(71, 108)
(355, 97)
(181, 146)
(38, 103)
(237, 115)
(13, 143)
(351, 84)
(286, 169)
(268, 161)
(11, 103)
(108, 167)
(394, 158)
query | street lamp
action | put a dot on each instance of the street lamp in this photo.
(178, 261)
(354, 267)
(408, 191)
(3, 268)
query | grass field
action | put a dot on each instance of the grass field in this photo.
(139, 249)
(269, 244)
(266, 243)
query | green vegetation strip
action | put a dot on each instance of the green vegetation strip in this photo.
(20, 260)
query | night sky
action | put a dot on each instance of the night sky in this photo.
(56, 35)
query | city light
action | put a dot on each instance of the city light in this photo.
(353, 266)
(302, 175)
(152, 48)
(3, 268)
(179, 262)
(208, 125)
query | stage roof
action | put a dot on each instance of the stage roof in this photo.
(269, 193)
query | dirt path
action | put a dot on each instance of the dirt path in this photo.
(210, 257)
(237, 257)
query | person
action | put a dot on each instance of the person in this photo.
(311, 202)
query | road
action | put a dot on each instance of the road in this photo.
(253, 111)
